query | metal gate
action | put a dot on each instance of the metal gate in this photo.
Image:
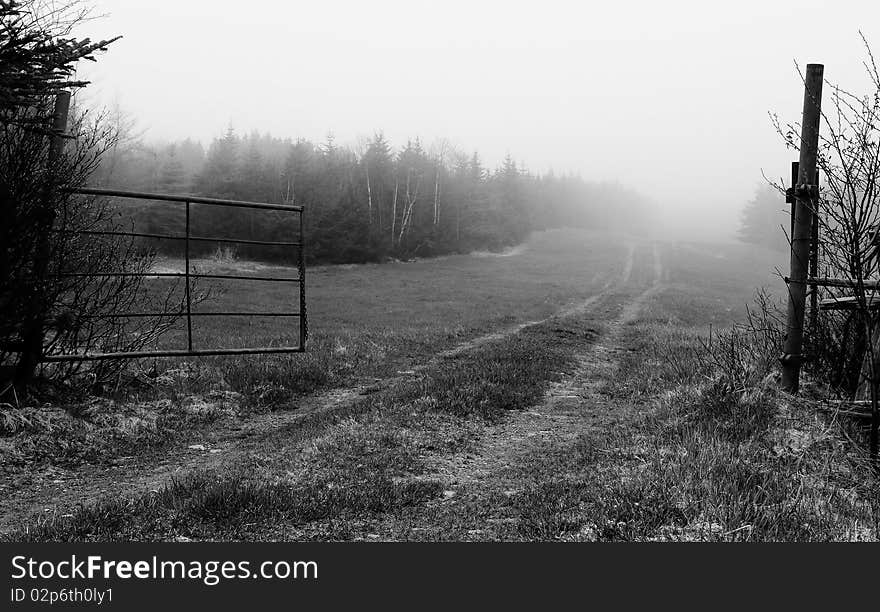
(188, 275)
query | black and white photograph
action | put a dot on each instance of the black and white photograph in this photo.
(413, 271)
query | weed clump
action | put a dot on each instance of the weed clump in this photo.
(722, 455)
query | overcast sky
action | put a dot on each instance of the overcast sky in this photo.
(670, 98)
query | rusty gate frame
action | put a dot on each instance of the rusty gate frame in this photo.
(187, 275)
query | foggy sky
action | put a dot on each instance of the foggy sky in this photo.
(670, 98)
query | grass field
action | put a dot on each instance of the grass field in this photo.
(369, 321)
(562, 392)
(437, 300)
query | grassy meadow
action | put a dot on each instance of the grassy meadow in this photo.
(619, 420)
(437, 300)
(367, 322)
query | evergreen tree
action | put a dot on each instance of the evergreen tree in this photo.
(218, 176)
(378, 170)
(383, 202)
(764, 220)
(172, 175)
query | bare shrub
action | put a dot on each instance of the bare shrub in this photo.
(747, 353)
(67, 276)
(92, 271)
(848, 210)
(225, 255)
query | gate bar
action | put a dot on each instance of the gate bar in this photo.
(170, 237)
(303, 321)
(147, 354)
(136, 315)
(264, 279)
(164, 197)
(188, 275)
(189, 321)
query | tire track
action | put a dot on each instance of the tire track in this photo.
(232, 442)
(580, 308)
(569, 408)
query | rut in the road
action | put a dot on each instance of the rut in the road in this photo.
(235, 442)
(565, 312)
(569, 408)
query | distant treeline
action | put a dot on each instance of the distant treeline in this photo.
(764, 219)
(367, 205)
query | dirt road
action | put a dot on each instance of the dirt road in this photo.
(568, 407)
(571, 405)
(498, 468)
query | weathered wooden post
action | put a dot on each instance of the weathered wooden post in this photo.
(814, 244)
(805, 193)
(814, 265)
(789, 196)
(34, 328)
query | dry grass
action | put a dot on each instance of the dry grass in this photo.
(367, 322)
(360, 466)
(721, 454)
(715, 463)
(710, 450)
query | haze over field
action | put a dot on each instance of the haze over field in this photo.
(437, 271)
(670, 98)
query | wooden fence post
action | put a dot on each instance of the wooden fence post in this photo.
(814, 265)
(34, 328)
(789, 197)
(814, 246)
(805, 193)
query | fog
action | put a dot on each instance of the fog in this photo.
(670, 98)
